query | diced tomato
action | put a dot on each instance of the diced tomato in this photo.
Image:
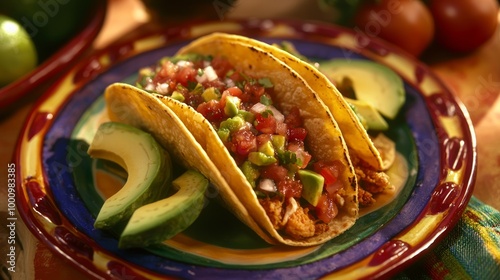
(330, 171)
(218, 84)
(274, 172)
(212, 111)
(236, 77)
(265, 123)
(333, 167)
(168, 69)
(243, 142)
(195, 100)
(281, 128)
(263, 138)
(232, 91)
(302, 155)
(293, 118)
(326, 209)
(235, 91)
(255, 91)
(185, 74)
(221, 66)
(330, 178)
(332, 188)
(290, 188)
(297, 134)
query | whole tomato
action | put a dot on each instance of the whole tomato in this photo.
(405, 23)
(464, 25)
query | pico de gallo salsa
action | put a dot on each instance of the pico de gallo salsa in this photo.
(300, 194)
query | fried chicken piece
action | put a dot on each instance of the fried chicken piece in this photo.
(274, 210)
(365, 198)
(320, 228)
(300, 225)
(372, 181)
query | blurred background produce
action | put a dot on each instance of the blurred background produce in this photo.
(17, 52)
(49, 24)
(171, 11)
(415, 25)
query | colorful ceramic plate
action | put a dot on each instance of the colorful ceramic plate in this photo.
(61, 188)
(61, 59)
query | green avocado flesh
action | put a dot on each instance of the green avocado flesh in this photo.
(148, 166)
(372, 83)
(312, 186)
(160, 220)
(370, 117)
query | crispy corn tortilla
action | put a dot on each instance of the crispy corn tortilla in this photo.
(126, 104)
(324, 141)
(355, 135)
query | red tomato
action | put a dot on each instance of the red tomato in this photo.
(212, 111)
(297, 134)
(290, 188)
(326, 209)
(274, 172)
(405, 23)
(243, 142)
(464, 25)
(293, 119)
(265, 123)
(184, 75)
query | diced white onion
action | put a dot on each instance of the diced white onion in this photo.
(267, 185)
(258, 108)
(339, 199)
(162, 88)
(209, 74)
(229, 83)
(290, 209)
(184, 63)
(277, 114)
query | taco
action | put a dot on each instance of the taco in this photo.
(139, 109)
(367, 159)
(266, 131)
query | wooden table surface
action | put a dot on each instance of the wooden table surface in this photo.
(475, 78)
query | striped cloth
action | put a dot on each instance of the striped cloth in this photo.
(470, 251)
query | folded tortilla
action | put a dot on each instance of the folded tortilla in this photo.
(324, 141)
(140, 109)
(355, 135)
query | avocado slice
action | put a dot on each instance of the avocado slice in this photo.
(232, 106)
(161, 220)
(312, 185)
(148, 166)
(261, 159)
(373, 83)
(372, 118)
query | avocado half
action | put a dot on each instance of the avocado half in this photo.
(161, 220)
(148, 166)
(372, 83)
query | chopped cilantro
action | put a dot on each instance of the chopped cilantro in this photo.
(264, 99)
(287, 157)
(267, 113)
(191, 85)
(265, 82)
(230, 73)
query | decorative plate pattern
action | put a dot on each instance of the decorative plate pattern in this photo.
(60, 186)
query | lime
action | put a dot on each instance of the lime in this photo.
(17, 52)
(50, 23)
